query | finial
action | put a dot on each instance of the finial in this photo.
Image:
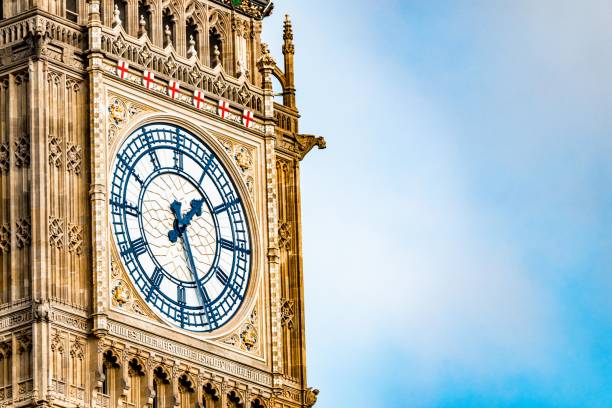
(168, 36)
(288, 29)
(116, 16)
(288, 47)
(191, 51)
(143, 26)
(217, 59)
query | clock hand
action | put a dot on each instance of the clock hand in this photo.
(204, 299)
(181, 223)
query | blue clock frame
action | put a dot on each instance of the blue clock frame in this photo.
(149, 143)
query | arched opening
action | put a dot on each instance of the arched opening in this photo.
(257, 403)
(137, 382)
(72, 12)
(161, 386)
(110, 369)
(277, 88)
(234, 400)
(186, 391)
(121, 7)
(211, 397)
(216, 47)
(144, 18)
(193, 42)
(169, 27)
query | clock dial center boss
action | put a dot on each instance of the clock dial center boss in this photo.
(180, 227)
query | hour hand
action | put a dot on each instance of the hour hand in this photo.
(176, 209)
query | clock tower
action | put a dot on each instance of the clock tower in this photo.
(150, 230)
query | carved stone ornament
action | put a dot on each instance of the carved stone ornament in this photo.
(219, 85)
(5, 238)
(145, 56)
(75, 239)
(284, 235)
(243, 158)
(23, 233)
(246, 338)
(287, 313)
(57, 343)
(170, 66)
(76, 349)
(119, 45)
(119, 112)
(265, 61)
(24, 342)
(55, 151)
(5, 158)
(22, 151)
(74, 158)
(244, 95)
(41, 310)
(310, 397)
(6, 349)
(121, 293)
(56, 232)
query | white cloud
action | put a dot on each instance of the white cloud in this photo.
(400, 254)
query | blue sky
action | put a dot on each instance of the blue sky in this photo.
(458, 229)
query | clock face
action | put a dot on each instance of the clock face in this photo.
(180, 227)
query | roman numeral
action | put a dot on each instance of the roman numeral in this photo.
(222, 276)
(178, 159)
(226, 244)
(181, 295)
(137, 248)
(157, 277)
(128, 208)
(223, 207)
(154, 159)
(206, 167)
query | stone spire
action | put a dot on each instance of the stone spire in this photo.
(288, 52)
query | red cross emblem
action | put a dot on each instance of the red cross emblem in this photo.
(247, 118)
(198, 99)
(148, 78)
(122, 69)
(223, 109)
(173, 88)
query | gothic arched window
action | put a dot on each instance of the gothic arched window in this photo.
(110, 369)
(137, 382)
(211, 397)
(161, 387)
(216, 47)
(187, 391)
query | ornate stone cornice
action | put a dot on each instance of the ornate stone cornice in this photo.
(257, 9)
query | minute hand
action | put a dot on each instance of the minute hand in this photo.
(194, 272)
